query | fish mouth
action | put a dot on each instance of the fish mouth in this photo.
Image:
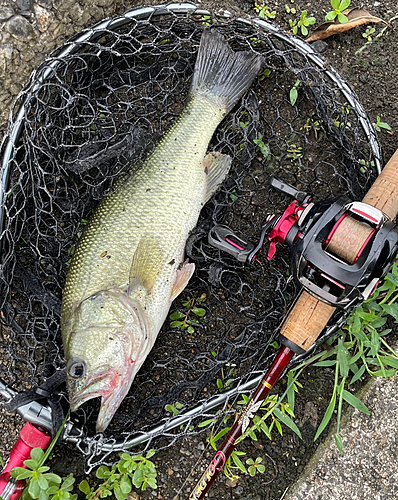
(111, 386)
(95, 386)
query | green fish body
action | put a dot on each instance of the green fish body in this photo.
(129, 264)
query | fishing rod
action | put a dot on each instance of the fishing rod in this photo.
(340, 250)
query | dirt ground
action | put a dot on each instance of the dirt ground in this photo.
(371, 70)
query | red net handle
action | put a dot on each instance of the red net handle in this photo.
(309, 316)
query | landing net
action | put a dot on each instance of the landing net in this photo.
(98, 105)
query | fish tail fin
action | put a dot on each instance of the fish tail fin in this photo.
(222, 74)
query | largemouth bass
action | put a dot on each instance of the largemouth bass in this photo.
(129, 264)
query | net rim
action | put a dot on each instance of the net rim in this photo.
(41, 415)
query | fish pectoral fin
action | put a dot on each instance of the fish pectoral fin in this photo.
(148, 263)
(183, 276)
(216, 167)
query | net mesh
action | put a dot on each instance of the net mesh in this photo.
(95, 108)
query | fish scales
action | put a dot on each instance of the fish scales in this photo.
(128, 265)
(162, 200)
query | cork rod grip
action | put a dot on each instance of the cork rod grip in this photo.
(384, 192)
(309, 316)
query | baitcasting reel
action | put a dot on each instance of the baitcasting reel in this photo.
(307, 228)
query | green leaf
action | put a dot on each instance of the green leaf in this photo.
(222, 433)
(339, 443)
(190, 329)
(125, 484)
(54, 478)
(34, 489)
(138, 478)
(103, 472)
(37, 454)
(335, 4)
(342, 18)
(176, 324)
(342, 358)
(152, 483)
(119, 494)
(390, 360)
(52, 490)
(21, 473)
(290, 389)
(379, 322)
(344, 4)
(150, 453)
(67, 485)
(355, 402)
(330, 16)
(261, 468)
(199, 311)
(237, 461)
(206, 422)
(293, 95)
(177, 315)
(43, 494)
(392, 310)
(285, 419)
(304, 30)
(42, 481)
(328, 362)
(328, 415)
(358, 374)
(32, 464)
(385, 373)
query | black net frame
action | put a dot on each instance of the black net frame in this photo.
(97, 105)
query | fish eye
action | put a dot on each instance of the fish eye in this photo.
(77, 369)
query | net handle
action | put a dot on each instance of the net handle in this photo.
(309, 316)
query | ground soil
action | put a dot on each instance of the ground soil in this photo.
(373, 75)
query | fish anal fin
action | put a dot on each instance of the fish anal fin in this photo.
(148, 263)
(183, 276)
(216, 167)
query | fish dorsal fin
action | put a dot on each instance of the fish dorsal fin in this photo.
(148, 263)
(183, 276)
(216, 167)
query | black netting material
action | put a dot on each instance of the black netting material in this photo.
(98, 105)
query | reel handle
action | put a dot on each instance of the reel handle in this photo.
(309, 316)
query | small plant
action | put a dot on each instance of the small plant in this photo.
(264, 74)
(255, 41)
(312, 125)
(255, 466)
(262, 146)
(290, 10)
(339, 6)
(294, 92)
(365, 165)
(41, 484)
(304, 22)
(119, 480)
(181, 320)
(206, 20)
(264, 11)
(381, 125)
(226, 382)
(174, 408)
(369, 31)
(295, 152)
